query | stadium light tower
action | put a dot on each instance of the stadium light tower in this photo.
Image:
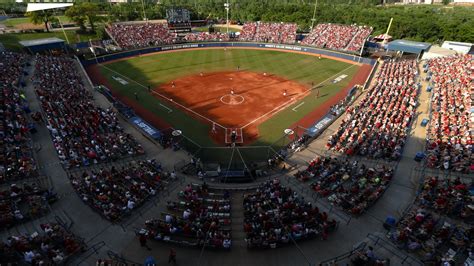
(227, 7)
(314, 14)
(143, 8)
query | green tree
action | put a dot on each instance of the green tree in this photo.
(75, 14)
(42, 17)
(85, 11)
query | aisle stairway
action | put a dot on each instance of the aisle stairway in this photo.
(237, 215)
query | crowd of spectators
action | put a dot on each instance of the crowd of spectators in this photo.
(201, 218)
(275, 214)
(269, 32)
(352, 186)
(82, 133)
(450, 135)
(437, 240)
(377, 127)
(21, 203)
(451, 197)
(137, 35)
(115, 192)
(338, 37)
(53, 245)
(16, 155)
(206, 37)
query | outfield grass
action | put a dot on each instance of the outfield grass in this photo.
(10, 40)
(160, 68)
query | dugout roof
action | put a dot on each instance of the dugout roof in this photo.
(405, 46)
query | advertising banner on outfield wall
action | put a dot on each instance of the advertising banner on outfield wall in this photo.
(287, 47)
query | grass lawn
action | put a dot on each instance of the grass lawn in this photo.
(12, 22)
(10, 40)
(159, 68)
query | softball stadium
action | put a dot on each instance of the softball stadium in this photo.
(214, 142)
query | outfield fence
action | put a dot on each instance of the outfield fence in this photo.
(185, 46)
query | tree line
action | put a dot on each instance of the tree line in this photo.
(429, 23)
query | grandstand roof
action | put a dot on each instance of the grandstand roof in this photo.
(38, 45)
(406, 46)
(44, 41)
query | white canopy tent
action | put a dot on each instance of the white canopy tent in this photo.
(44, 6)
(32, 7)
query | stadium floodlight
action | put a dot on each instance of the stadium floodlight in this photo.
(227, 8)
(314, 14)
(143, 8)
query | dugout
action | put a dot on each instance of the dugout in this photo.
(43, 45)
(409, 47)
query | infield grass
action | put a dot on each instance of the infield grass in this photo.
(164, 67)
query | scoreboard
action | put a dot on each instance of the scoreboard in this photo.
(178, 15)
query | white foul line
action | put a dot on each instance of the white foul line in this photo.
(163, 96)
(296, 107)
(169, 110)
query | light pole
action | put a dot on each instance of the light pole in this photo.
(227, 7)
(314, 14)
(143, 8)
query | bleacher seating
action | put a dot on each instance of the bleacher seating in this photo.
(83, 134)
(450, 136)
(435, 239)
(16, 156)
(206, 37)
(53, 245)
(269, 32)
(348, 38)
(377, 127)
(138, 35)
(351, 186)
(275, 214)
(448, 196)
(115, 192)
(21, 203)
(200, 218)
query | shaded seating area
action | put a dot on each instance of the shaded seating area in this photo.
(448, 196)
(117, 191)
(377, 127)
(22, 203)
(50, 245)
(16, 153)
(435, 239)
(275, 215)
(82, 133)
(200, 218)
(450, 135)
(350, 185)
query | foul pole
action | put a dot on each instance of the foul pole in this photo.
(314, 14)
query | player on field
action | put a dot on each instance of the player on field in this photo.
(172, 84)
(285, 93)
(232, 91)
(214, 130)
